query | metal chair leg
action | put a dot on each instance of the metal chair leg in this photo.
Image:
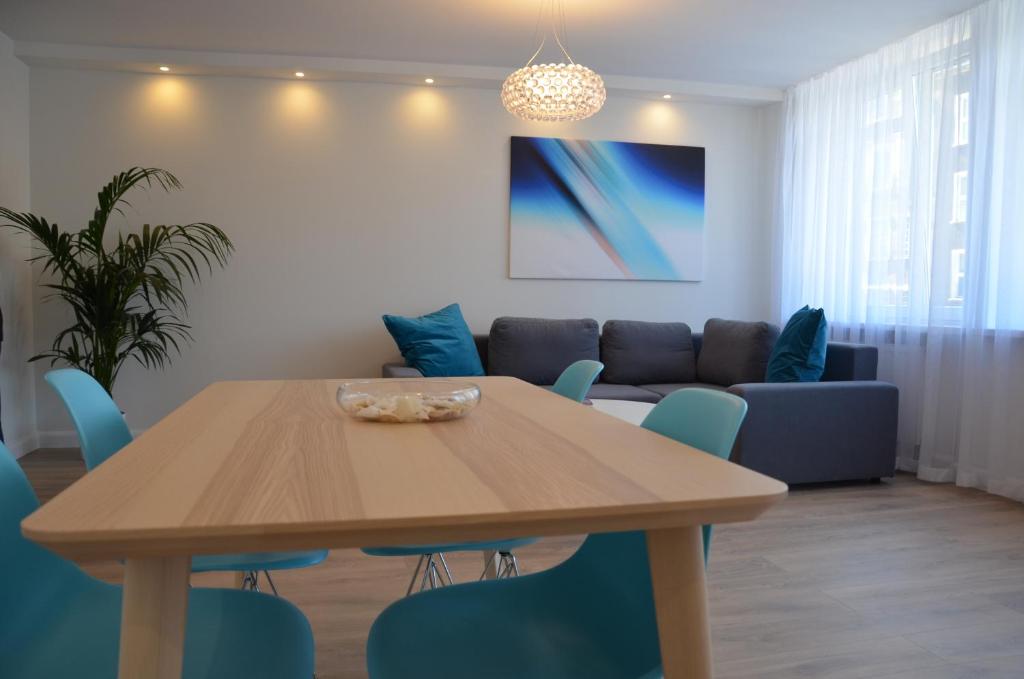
(251, 581)
(487, 567)
(508, 566)
(415, 573)
(271, 582)
(433, 576)
(428, 569)
(447, 572)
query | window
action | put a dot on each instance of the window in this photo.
(959, 197)
(956, 274)
(887, 107)
(961, 113)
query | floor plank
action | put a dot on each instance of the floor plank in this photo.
(901, 580)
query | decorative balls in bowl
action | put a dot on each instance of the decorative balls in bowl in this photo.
(414, 400)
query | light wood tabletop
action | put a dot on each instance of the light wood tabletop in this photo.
(276, 465)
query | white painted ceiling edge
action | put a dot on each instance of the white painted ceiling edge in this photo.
(196, 63)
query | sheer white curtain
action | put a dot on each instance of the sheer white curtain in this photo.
(901, 212)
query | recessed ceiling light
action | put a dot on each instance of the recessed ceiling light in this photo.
(666, 96)
(165, 68)
(300, 74)
(429, 81)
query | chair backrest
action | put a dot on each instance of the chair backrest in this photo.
(30, 576)
(101, 428)
(702, 418)
(616, 565)
(576, 380)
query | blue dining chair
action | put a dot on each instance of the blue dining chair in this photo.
(102, 432)
(57, 621)
(574, 383)
(591, 616)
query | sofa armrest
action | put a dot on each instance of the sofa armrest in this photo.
(399, 370)
(848, 361)
(809, 432)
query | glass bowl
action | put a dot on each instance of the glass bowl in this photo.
(412, 400)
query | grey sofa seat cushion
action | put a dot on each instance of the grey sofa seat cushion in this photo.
(735, 352)
(635, 352)
(537, 350)
(622, 392)
(663, 390)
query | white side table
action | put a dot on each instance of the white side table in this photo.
(633, 412)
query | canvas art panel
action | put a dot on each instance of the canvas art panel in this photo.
(606, 210)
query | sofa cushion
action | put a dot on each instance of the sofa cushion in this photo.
(799, 353)
(622, 392)
(537, 350)
(636, 352)
(438, 344)
(735, 352)
(663, 390)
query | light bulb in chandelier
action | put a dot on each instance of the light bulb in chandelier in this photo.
(553, 92)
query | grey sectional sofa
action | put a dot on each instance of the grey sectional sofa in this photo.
(839, 429)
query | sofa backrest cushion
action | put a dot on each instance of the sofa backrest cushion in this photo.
(735, 352)
(639, 352)
(537, 350)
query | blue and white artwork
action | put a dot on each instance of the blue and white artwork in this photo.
(606, 210)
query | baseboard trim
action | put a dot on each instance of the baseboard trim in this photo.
(23, 446)
(58, 439)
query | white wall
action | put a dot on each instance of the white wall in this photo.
(349, 200)
(771, 117)
(16, 386)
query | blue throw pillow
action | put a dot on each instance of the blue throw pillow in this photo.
(799, 353)
(438, 344)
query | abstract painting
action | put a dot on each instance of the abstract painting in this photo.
(606, 210)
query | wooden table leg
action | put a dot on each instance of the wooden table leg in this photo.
(681, 602)
(153, 617)
(490, 564)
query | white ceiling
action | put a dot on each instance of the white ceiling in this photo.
(767, 43)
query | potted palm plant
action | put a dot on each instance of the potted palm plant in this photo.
(125, 291)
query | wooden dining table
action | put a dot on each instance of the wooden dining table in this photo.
(255, 466)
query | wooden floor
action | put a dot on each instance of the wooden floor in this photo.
(899, 580)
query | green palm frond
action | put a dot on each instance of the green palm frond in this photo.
(127, 300)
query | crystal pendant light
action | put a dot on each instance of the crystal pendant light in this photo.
(553, 92)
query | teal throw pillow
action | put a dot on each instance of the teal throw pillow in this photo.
(799, 353)
(437, 344)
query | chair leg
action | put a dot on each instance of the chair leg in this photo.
(271, 582)
(250, 581)
(428, 571)
(489, 566)
(508, 566)
(415, 573)
(434, 576)
(447, 572)
(432, 571)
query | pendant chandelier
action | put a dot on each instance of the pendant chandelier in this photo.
(553, 92)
